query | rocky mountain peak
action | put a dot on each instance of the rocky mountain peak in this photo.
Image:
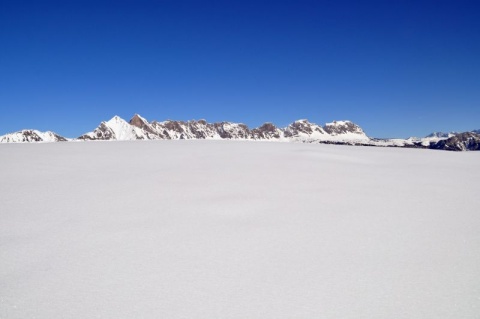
(437, 135)
(459, 142)
(267, 127)
(440, 135)
(228, 130)
(138, 121)
(342, 127)
(116, 119)
(31, 136)
(267, 131)
(303, 128)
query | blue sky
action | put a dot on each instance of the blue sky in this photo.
(396, 68)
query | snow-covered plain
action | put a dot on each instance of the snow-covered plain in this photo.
(235, 229)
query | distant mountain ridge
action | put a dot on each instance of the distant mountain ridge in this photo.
(336, 132)
(31, 136)
(138, 128)
(467, 141)
(441, 135)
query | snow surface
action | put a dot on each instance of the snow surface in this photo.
(235, 229)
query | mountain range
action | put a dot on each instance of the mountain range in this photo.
(336, 132)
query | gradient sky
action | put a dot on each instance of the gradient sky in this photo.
(396, 68)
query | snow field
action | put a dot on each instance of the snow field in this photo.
(235, 229)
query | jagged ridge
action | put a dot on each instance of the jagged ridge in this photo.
(459, 142)
(337, 132)
(138, 128)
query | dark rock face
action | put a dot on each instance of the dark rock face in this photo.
(160, 131)
(198, 129)
(102, 132)
(467, 141)
(60, 138)
(174, 126)
(229, 130)
(139, 122)
(266, 131)
(85, 138)
(344, 127)
(166, 130)
(302, 127)
(29, 135)
(201, 129)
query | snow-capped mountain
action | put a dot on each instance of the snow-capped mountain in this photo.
(452, 141)
(440, 135)
(345, 130)
(336, 132)
(467, 141)
(267, 131)
(24, 136)
(429, 139)
(138, 128)
(414, 142)
(304, 130)
(116, 129)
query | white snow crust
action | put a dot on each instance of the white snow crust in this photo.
(232, 229)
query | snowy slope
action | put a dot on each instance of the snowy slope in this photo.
(31, 136)
(232, 229)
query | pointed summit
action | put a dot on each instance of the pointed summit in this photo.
(138, 121)
(142, 123)
(115, 129)
(115, 119)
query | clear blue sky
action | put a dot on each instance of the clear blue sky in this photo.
(397, 68)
